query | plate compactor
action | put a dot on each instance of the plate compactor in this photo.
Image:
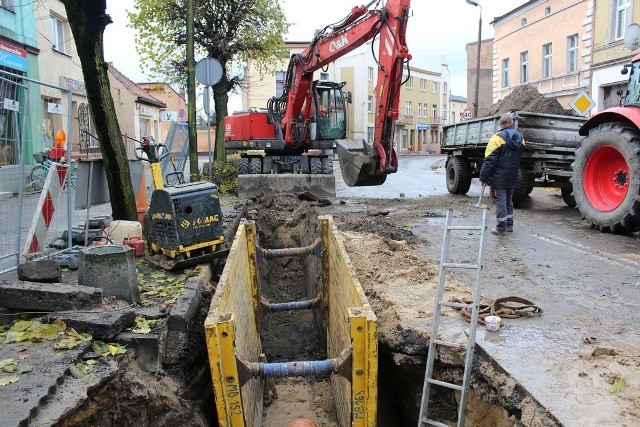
(183, 226)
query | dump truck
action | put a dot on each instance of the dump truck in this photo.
(551, 141)
(311, 115)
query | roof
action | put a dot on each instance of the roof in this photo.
(142, 96)
(158, 86)
(506, 15)
(456, 98)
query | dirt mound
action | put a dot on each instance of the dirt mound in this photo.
(527, 98)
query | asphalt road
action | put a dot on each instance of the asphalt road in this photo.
(587, 282)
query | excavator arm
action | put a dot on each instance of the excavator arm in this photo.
(361, 164)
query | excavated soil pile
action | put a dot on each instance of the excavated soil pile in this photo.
(527, 98)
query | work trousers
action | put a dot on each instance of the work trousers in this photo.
(504, 208)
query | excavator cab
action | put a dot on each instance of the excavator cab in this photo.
(329, 113)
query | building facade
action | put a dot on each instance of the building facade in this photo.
(458, 105)
(612, 18)
(174, 101)
(485, 93)
(546, 44)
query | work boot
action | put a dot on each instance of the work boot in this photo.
(497, 232)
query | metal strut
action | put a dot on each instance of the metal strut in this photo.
(313, 248)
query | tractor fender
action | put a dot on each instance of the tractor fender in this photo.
(627, 115)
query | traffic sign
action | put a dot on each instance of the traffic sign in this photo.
(54, 108)
(168, 116)
(467, 114)
(208, 71)
(582, 103)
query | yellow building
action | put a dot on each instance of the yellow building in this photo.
(546, 44)
(611, 20)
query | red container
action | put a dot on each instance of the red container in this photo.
(247, 126)
(138, 245)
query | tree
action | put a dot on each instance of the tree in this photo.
(231, 31)
(88, 20)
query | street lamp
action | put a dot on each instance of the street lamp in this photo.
(475, 103)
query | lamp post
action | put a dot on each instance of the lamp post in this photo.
(475, 103)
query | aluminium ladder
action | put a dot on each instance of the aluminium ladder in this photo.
(434, 339)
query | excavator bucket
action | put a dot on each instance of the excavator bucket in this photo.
(357, 163)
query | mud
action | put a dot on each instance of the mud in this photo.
(527, 98)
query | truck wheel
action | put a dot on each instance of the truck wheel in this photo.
(520, 190)
(567, 197)
(315, 165)
(327, 166)
(606, 178)
(255, 166)
(458, 172)
(243, 166)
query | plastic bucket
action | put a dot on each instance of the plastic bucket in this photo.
(492, 323)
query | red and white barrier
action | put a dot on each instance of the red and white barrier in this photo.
(46, 208)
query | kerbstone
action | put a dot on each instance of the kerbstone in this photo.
(102, 325)
(45, 271)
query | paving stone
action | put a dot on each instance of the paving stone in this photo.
(33, 296)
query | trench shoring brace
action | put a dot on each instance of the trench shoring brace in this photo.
(340, 365)
(313, 248)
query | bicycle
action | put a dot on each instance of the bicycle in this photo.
(39, 172)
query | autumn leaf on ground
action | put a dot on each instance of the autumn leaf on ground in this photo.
(8, 365)
(104, 349)
(9, 380)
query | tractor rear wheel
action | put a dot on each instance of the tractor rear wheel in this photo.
(520, 190)
(606, 178)
(458, 173)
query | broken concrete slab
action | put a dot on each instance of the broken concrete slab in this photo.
(47, 297)
(102, 324)
(44, 271)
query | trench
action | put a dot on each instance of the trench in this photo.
(182, 393)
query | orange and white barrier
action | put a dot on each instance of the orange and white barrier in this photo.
(46, 208)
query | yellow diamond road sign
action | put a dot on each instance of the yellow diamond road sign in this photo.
(582, 103)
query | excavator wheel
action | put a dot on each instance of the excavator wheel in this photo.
(255, 166)
(327, 166)
(606, 178)
(315, 165)
(243, 166)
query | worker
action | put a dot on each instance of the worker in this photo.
(500, 171)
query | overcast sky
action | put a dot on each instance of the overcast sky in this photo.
(438, 30)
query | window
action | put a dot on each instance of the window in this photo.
(524, 67)
(58, 38)
(435, 87)
(505, 72)
(523, 22)
(546, 61)
(324, 76)
(370, 133)
(280, 77)
(444, 112)
(410, 83)
(623, 18)
(408, 107)
(572, 53)
(370, 74)
(369, 104)
(419, 109)
(434, 111)
(423, 84)
(547, 10)
(8, 4)
(444, 88)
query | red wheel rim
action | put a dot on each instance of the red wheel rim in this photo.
(605, 178)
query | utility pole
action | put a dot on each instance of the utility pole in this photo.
(476, 107)
(191, 95)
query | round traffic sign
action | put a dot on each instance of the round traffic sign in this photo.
(208, 71)
(467, 114)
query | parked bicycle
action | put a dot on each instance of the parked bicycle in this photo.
(39, 172)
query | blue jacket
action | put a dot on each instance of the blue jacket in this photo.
(502, 159)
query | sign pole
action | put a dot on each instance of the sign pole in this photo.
(208, 95)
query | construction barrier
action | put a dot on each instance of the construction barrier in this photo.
(46, 208)
(233, 340)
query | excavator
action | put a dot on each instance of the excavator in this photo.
(309, 118)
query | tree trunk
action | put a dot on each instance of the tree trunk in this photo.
(191, 95)
(88, 20)
(221, 98)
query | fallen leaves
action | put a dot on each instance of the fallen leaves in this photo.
(164, 285)
(143, 326)
(108, 349)
(34, 331)
(11, 366)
